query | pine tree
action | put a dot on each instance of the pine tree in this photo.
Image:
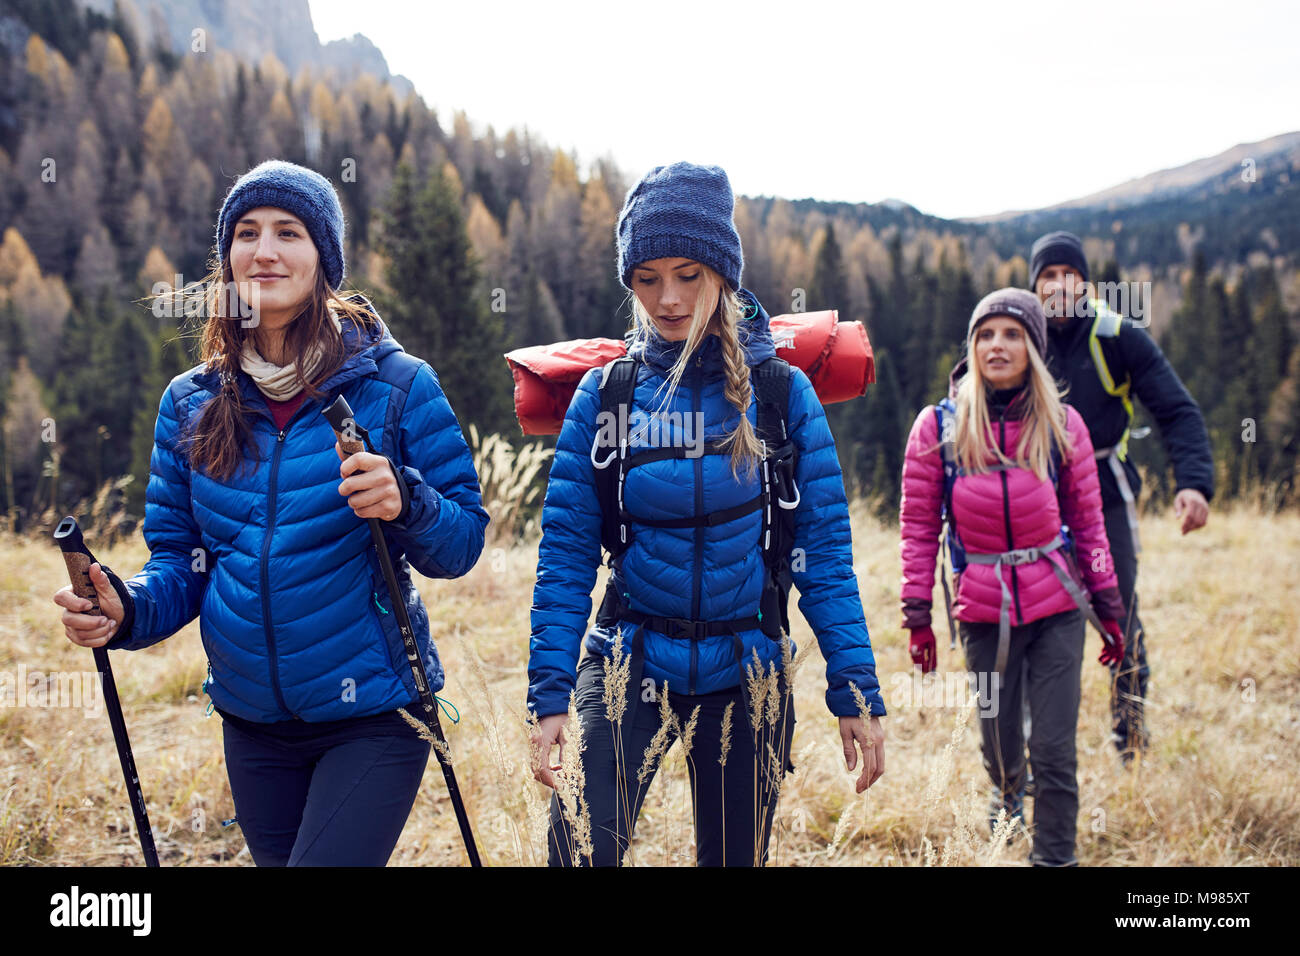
(169, 359)
(433, 308)
(829, 288)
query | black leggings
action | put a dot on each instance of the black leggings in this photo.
(728, 831)
(333, 798)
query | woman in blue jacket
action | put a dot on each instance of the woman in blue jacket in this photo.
(692, 604)
(250, 528)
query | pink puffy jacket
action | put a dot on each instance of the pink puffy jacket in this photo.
(1002, 511)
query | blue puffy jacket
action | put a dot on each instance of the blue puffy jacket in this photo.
(698, 573)
(293, 609)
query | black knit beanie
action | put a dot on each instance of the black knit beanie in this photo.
(1053, 249)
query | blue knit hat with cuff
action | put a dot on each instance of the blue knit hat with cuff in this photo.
(305, 193)
(682, 210)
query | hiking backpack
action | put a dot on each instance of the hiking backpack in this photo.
(777, 499)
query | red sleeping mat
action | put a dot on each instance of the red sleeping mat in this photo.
(835, 355)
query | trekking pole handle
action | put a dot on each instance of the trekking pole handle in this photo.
(352, 437)
(78, 559)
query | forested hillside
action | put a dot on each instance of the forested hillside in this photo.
(115, 155)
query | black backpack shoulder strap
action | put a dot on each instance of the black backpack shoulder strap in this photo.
(617, 385)
(771, 379)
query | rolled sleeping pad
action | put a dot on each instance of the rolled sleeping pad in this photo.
(546, 376)
(836, 356)
(849, 366)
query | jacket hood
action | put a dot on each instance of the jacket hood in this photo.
(956, 375)
(754, 333)
(365, 348)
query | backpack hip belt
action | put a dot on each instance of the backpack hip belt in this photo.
(1029, 556)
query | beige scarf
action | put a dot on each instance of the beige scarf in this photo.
(280, 382)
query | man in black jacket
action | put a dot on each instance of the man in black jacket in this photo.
(1105, 361)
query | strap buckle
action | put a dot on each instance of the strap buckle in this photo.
(681, 628)
(1021, 556)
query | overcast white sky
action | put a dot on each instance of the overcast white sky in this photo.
(961, 109)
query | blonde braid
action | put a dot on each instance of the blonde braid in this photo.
(745, 448)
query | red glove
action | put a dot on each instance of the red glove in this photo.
(922, 648)
(1112, 651)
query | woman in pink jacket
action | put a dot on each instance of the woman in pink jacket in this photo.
(1012, 467)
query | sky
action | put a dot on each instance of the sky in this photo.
(960, 109)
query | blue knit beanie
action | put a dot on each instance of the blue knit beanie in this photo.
(680, 210)
(305, 193)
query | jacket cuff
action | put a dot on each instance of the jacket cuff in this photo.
(840, 702)
(404, 489)
(1108, 605)
(1208, 493)
(123, 634)
(916, 613)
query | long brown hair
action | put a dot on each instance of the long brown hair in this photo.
(221, 442)
(743, 442)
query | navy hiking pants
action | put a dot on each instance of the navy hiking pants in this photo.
(335, 793)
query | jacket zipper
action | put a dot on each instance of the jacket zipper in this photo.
(697, 573)
(266, 583)
(1006, 513)
(266, 558)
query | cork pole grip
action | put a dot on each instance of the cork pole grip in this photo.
(78, 559)
(351, 436)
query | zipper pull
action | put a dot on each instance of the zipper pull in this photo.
(207, 711)
(281, 438)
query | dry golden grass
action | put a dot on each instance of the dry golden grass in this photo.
(1219, 786)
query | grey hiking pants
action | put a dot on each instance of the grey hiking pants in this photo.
(1043, 668)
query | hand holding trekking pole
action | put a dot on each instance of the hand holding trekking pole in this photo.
(370, 485)
(92, 586)
(548, 735)
(85, 624)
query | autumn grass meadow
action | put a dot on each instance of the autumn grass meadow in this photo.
(1218, 787)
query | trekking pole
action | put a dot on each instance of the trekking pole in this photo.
(351, 437)
(79, 559)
